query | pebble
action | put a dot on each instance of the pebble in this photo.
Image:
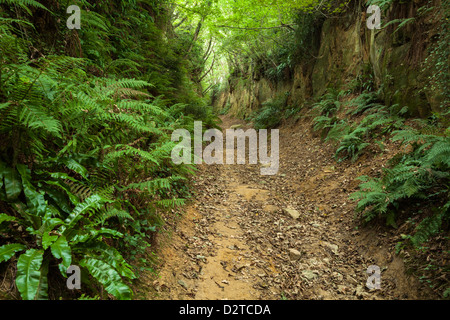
(294, 254)
(294, 214)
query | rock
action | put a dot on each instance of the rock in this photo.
(200, 257)
(309, 275)
(294, 254)
(183, 284)
(334, 248)
(294, 214)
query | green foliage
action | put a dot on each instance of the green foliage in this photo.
(328, 104)
(8, 250)
(353, 139)
(24, 4)
(430, 226)
(271, 114)
(436, 64)
(108, 277)
(422, 174)
(85, 154)
(364, 102)
(383, 4)
(352, 144)
(31, 279)
(419, 176)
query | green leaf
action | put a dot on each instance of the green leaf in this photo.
(108, 277)
(8, 250)
(35, 200)
(47, 240)
(26, 4)
(89, 234)
(47, 226)
(30, 279)
(42, 291)
(61, 249)
(59, 198)
(13, 184)
(73, 198)
(75, 166)
(113, 257)
(94, 202)
(5, 217)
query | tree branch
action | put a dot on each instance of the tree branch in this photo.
(210, 68)
(207, 89)
(179, 23)
(197, 32)
(289, 26)
(208, 51)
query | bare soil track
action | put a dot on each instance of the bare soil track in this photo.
(236, 241)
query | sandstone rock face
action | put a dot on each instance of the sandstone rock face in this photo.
(347, 49)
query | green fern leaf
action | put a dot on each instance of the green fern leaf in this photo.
(107, 276)
(8, 250)
(30, 278)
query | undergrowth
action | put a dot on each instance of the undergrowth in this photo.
(415, 181)
(85, 167)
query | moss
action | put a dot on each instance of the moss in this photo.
(402, 84)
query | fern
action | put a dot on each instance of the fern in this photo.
(170, 203)
(439, 155)
(329, 103)
(24, 4)
(429, 226)
(108, 277)
(352, 145)
(323, 122)
(366, 101)
(338, 130)
(86, 158)
(155, 184)
(104, 215)
(420, 175)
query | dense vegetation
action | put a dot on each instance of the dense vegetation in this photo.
(86, 117)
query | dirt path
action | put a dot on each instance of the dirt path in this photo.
(238, 240)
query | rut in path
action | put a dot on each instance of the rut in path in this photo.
(236, 241)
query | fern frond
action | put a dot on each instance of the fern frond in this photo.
(171, 203)
(429, 227)
(439, 155)
(155, 184)
(24, 4)
(108, 213)
(130, 151)
(94, 20)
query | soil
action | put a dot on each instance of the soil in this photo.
(237, 241)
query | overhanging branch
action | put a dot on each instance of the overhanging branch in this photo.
(288, 26)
